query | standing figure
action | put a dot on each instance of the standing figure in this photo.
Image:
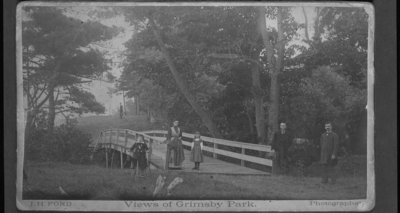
(281, 143)
(174, 139)
(121, 110)
(139, 150)
(196, 151)
(329, 149)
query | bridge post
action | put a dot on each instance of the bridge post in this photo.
(126, 138)
(125, 148)
(120, 149)
(215, 147)
(150, 150)
(110, 143)
(112, 158)
(243, 153)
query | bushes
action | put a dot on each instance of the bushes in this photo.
(66, 143)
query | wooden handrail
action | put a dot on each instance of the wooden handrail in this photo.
(147, 135)
(256, 147)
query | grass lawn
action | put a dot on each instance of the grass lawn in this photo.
(92, 182)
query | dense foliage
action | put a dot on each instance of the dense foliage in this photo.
(58, 58)
(214, 51)
(66, 143)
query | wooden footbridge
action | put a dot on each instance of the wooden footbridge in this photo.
(244, 158)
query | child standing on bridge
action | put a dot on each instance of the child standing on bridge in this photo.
(139, 150)
(196, 151)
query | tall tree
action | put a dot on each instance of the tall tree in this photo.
(204, 115)
(338, 45)
(273, 40)
(162, 32)
(58, 45)
(341, 40)
(241, 44)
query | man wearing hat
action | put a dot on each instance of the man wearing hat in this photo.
(174, 139)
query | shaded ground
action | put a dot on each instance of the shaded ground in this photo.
(92, 182)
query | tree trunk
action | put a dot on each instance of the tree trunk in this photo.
(29, 122)
(184, 89)
(123, 98)
(317, 32)
(306, 24)
(52, 109)
(52, 104)
(274, 67)
(251, 124)
(258, 105)
(32, 113)
(137, 105)
(275, 83)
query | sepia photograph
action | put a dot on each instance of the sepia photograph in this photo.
(217, 106)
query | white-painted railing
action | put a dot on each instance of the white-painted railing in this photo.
(242, 156)
(122, 139)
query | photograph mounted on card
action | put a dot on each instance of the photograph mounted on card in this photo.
(186, 106)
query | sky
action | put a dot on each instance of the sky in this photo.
(114, 50)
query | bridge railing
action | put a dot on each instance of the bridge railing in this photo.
(122, 139)
(217, 144)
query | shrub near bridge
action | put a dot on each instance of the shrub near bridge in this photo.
(302, 153)
(66, 143)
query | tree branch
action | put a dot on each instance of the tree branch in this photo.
(306, 24)
(43, 101)
(317, 32)
(58, 93)
(41, 93)
(34, 62)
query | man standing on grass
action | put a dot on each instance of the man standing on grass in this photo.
(329, 149)
(281, 143)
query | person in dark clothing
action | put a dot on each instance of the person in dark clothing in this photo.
(121, 110)
(196, 154)
(174, 139)
(329, 148)
(281, 143)
(139, 150)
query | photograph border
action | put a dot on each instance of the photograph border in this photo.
(370, 151)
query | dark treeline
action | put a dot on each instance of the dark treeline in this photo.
(220, 70)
